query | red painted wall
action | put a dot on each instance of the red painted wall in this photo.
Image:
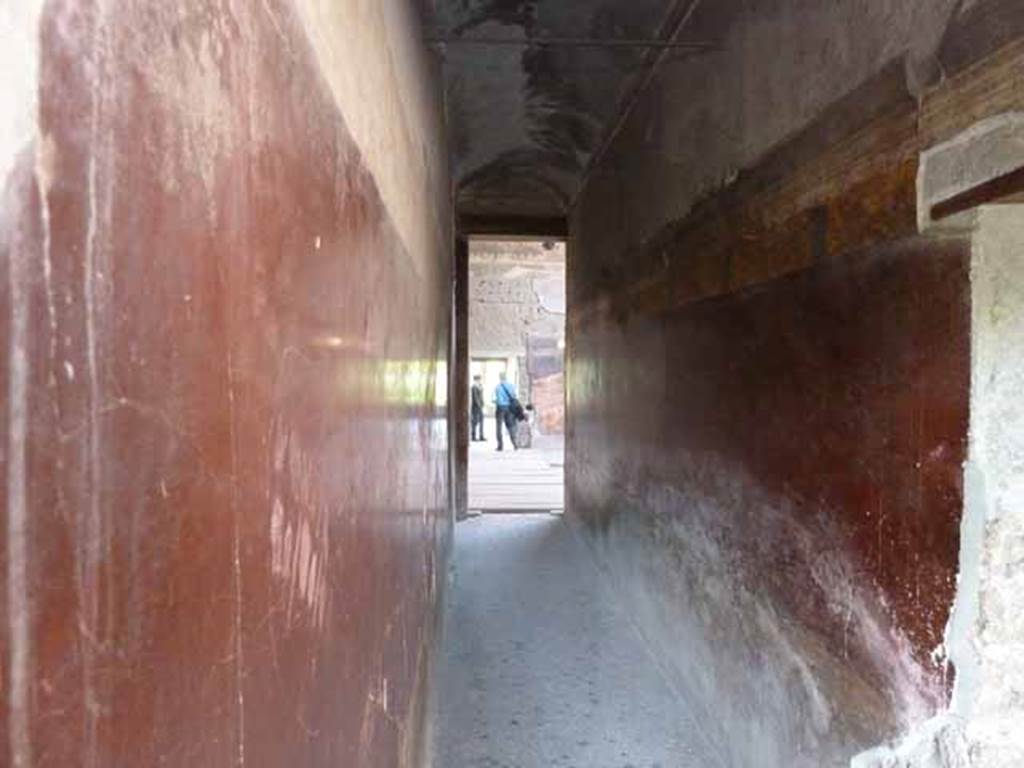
(779, 470)
(234, 507)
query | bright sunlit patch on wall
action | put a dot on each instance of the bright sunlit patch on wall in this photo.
(407, 382)
(340, 343)
(441, 383)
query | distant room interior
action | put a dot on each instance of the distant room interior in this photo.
(517, 329)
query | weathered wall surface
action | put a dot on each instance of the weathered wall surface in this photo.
(989, 626)
(769, 370)
(224, 338)
(985, 637)
(782, 467)
(706, 119)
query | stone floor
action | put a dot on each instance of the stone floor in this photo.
(530, 479)
(540, 668)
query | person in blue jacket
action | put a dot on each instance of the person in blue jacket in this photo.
(504, 394)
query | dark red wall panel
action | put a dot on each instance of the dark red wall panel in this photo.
(783, 466)
(235, 496)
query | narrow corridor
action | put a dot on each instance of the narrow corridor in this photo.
(760, 262)
(541, 668)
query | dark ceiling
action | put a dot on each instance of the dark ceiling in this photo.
(524, 120)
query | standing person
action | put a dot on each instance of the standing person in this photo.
(477, 411)
(504, 394)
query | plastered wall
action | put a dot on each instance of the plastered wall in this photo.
(988, 633)
(226, 302)
(769, 370)
(985, 637)
(772, 483)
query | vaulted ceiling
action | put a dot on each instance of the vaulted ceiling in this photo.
(525, 118)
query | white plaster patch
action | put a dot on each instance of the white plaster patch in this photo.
(994, 700)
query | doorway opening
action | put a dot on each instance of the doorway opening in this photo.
(516, 328)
